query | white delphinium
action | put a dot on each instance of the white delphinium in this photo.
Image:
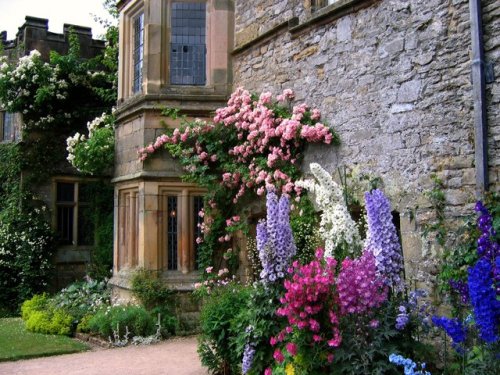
(336, 225)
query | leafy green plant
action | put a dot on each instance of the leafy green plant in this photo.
(216, 345)
(256, 323)
(82, 298)
(40, 315)
(26, 247)
(437, 199)
(94, 153)
(156, 297)
(150, 289)
(136, 319)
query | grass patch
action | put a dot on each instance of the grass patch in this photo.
(17, 343)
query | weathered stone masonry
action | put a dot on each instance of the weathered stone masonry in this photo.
(394, 79)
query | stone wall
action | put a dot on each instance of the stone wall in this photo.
(491, 19)
(393, 78)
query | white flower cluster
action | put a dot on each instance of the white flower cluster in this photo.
(71, 143)
(97, 123)
(24, 80)
(85, 152)
(336, 226)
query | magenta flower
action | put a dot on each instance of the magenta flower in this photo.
(291, 348)
(278, 356)
(359, 287)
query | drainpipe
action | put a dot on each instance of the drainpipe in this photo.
(479, 96)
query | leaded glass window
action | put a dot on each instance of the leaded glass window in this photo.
(187, 44)
(172, 241)
(138, 55)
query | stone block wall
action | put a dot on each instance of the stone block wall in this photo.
(491, 19)
(393, 78)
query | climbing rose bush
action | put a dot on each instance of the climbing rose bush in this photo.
(93, 153)
(262, 145)
(253, 144)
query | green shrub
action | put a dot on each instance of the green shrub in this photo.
(40, 315)
(216, 344)
(26, 248)
(83, 325)
(83, 297)
(157, 298)
(169, 322)
(151, 290)
(117, 318)
(39, 302)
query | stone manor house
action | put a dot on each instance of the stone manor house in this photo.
(411, 86)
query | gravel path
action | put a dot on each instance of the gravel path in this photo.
(172, 357)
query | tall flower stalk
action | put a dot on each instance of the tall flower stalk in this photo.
(382, 238)
(337, 228)
(275, 242)
(484, 302)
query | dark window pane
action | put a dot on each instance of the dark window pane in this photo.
(85, 226)
(138, 53)
(187, 47)
(172, 233)
(65, 224)
(65, 192)
(197, 206)
(8, 127)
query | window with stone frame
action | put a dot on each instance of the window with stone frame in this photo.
(188, 43)
(180, 227)
(9, 131)
(318, 4)
(73, 216)
(138, 52)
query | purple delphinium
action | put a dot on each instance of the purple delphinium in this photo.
(483, 299)
(462, 289)
(248, 355)
(403, 318)
(274, 239)
(453, 327)
(487, 246)
(382, 238)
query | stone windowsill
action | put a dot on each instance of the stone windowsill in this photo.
(175, 280)
(132, 105)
